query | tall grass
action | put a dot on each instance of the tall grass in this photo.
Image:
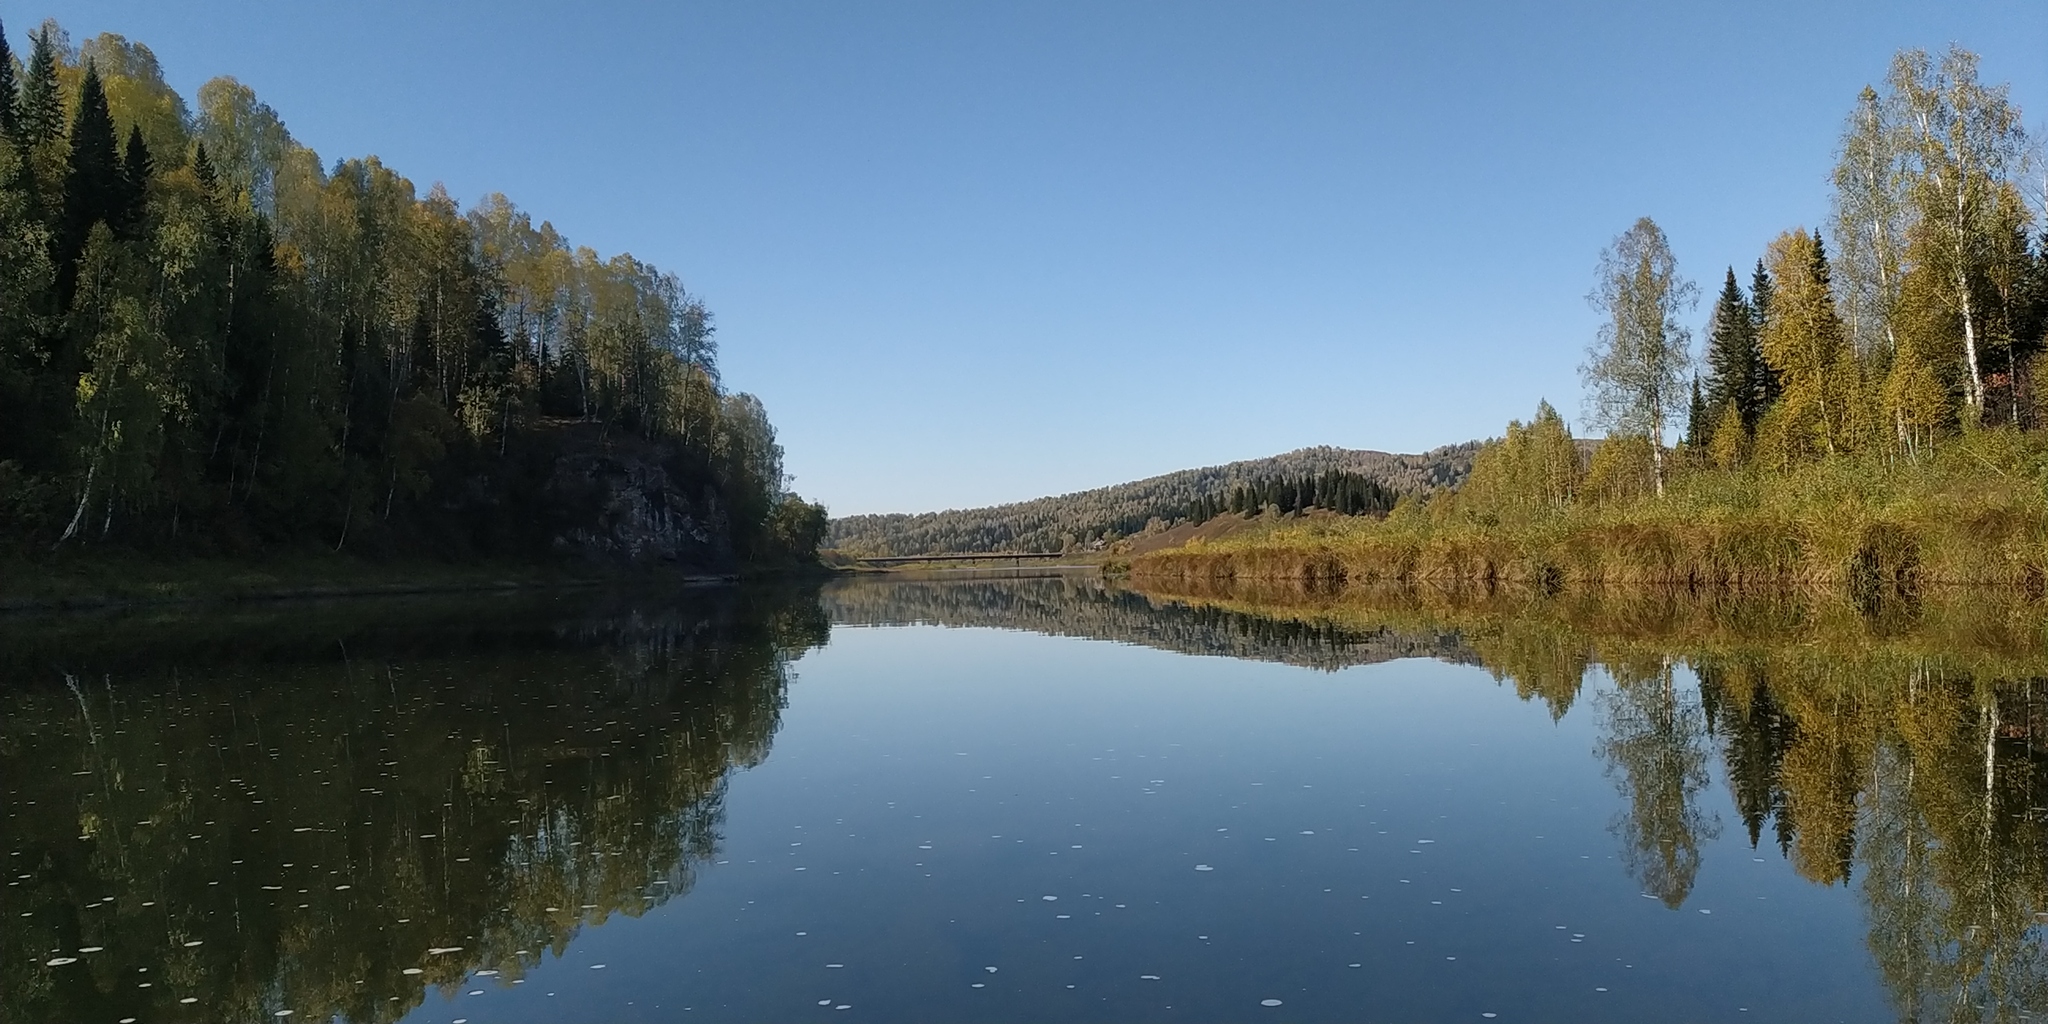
(1973, 513)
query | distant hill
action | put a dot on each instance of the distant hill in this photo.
(1091, 519)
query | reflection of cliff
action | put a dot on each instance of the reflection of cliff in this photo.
(1083, 606)
(1906, 742)
(329, 818)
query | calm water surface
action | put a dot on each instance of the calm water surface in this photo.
(1032, 799)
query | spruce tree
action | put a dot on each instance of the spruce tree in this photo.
(136, 168)
(41, 111)
(1696, 422)
(10, 122)
(94, 189)
(1761, 291)
(1734, 361)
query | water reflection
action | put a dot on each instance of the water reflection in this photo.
(1899, 740)
(330, 812)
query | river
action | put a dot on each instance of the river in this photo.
(1030, 798)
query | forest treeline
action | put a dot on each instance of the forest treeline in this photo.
(1091, 520)
(1867, 405)
(212, 342)
(1340, 491)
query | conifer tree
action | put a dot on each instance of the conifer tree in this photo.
(41, 111)
(136, 168)
(1696, 422)
(1735, 366)
(94, 189)
(10, 124)
(1761, 290)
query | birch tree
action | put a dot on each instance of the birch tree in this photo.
(1871, 213)
(1965, 145)
(1636, 370)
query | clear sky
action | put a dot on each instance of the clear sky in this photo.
(978, 252)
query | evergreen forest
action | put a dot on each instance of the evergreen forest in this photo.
(214, 343)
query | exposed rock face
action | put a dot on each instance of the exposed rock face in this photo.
(621, 502)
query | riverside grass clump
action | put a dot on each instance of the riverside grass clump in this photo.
(1972, 512)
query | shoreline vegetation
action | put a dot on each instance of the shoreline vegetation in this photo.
(1864, 415)
(220, 351)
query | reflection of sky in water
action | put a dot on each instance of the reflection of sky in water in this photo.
(977, 825)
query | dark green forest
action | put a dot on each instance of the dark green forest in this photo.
(1339, 479)
(213, 343)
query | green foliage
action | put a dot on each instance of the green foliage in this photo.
(211, 343)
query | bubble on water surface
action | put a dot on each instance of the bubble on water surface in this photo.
(835, 966)
(1048, 899)
(1269, 1002)
(977, 985)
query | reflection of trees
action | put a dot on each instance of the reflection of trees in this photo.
(298, 828)
(1654, 740)
(1083, 606)
(1901, 739)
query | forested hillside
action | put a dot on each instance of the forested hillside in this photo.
(213, 342)
(1089, 519)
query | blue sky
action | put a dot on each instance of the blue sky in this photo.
(979, 252)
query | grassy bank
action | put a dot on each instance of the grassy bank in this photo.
(1973, 513)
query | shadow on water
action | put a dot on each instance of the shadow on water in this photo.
(333, 809)
(330, 810)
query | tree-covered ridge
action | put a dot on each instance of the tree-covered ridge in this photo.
(1091, 519)
(348, 807)
(211, 341)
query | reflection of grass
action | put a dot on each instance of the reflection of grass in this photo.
(1544, 640)
(1976, 515)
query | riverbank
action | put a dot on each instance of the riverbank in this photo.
(1976, 514)
(116, 581)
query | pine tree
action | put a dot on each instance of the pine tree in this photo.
(136, 169)
(1735, 366)
(1761, 291)
(10, 121)
(94, 189)
(41, 112)
(1696, 422)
